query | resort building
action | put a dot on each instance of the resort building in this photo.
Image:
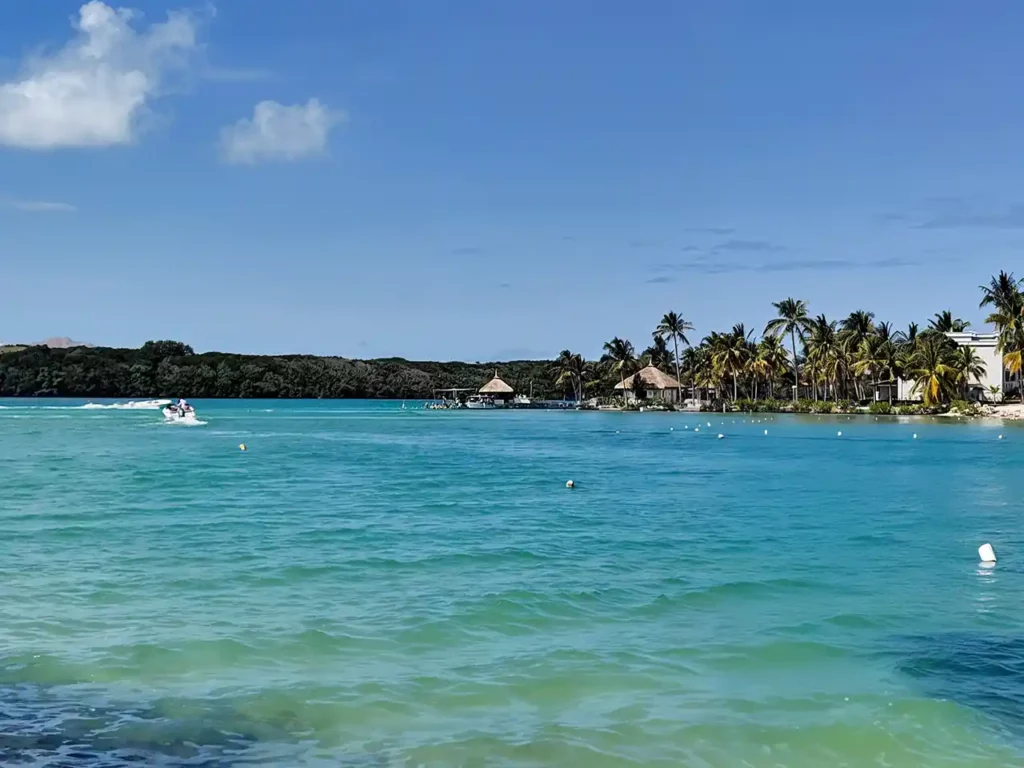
(996, 383)
(992, 387)
(655, 385)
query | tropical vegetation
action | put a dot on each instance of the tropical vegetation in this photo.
(800, 361)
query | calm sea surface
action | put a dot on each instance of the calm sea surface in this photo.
(371, 587)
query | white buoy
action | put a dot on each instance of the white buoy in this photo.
(915, 435)
(709, 423)
(839, 434)
(766, 431)
(720, 436)
(241, 447)
(1000, 437)
(671, 429)
(986, 553)
(696, 429)
(570, 484)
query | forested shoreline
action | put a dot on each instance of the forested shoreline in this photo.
(173, 369)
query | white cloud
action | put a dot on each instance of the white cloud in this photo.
(279, 132)
(38, 206)
(94, 91)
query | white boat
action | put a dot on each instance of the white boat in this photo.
(175, 413)
(480, 402)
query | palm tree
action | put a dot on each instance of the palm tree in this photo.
(825, 353)
(944, 322)
(692, 360)
(931, 370)
(968, 366)
(622, 357)
(791, 318)
(769, 361)
(573, 369)
(1003, 294)
(673, 326)
(563, 370)
(730, 354)
(658, 355)
(856, 327)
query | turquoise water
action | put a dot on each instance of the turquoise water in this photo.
(367, 586)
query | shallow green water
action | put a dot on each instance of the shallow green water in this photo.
(367, 586)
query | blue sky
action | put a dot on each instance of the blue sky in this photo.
(490, 180)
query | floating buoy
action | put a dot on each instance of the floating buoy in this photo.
(720, 435)
(671, 429)
(696, 429)
(766, 431)
(709, 423)
(986, 553)
(839, 434)
(915, 435)
(1000, 437)
(570, 484)
(242, 447)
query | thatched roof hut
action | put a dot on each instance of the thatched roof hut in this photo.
(652, 379)
(496, 387)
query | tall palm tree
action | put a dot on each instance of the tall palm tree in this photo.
(572, 369)
(692, 360)
(563, 370)
(769, 361)
(824, 352)
(730, 354)
(931, 370)
(621, 355)
(1004, 295)
(968, 366)
(673, 326)
(792, 318)
(855, 328)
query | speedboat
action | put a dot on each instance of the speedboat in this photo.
(179, 413)
(480, 402)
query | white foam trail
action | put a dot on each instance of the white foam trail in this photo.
(131, 405)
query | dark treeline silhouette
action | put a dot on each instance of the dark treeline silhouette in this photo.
(172, 369)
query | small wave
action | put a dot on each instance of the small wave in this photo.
(131, 405)
(193, 422)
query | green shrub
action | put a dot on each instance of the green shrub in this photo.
(964, 408)
(880, 409)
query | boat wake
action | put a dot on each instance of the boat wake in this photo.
(131, 405)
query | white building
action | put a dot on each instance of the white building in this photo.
(985, 345)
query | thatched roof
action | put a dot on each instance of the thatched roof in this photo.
(496, 387)
(653, 378)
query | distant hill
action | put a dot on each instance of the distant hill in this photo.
(61, 342)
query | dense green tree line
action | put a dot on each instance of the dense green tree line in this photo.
(172, 369)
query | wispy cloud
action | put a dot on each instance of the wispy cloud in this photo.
(277, 132)
(957, 217)
(644, 243)
(748, 246)
(96, 90)
(467, 250)
(715, 267)
(37, 206)
(660, 280)
(236, 75)
(711, 230)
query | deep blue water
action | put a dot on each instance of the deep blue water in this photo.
(372, 586)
